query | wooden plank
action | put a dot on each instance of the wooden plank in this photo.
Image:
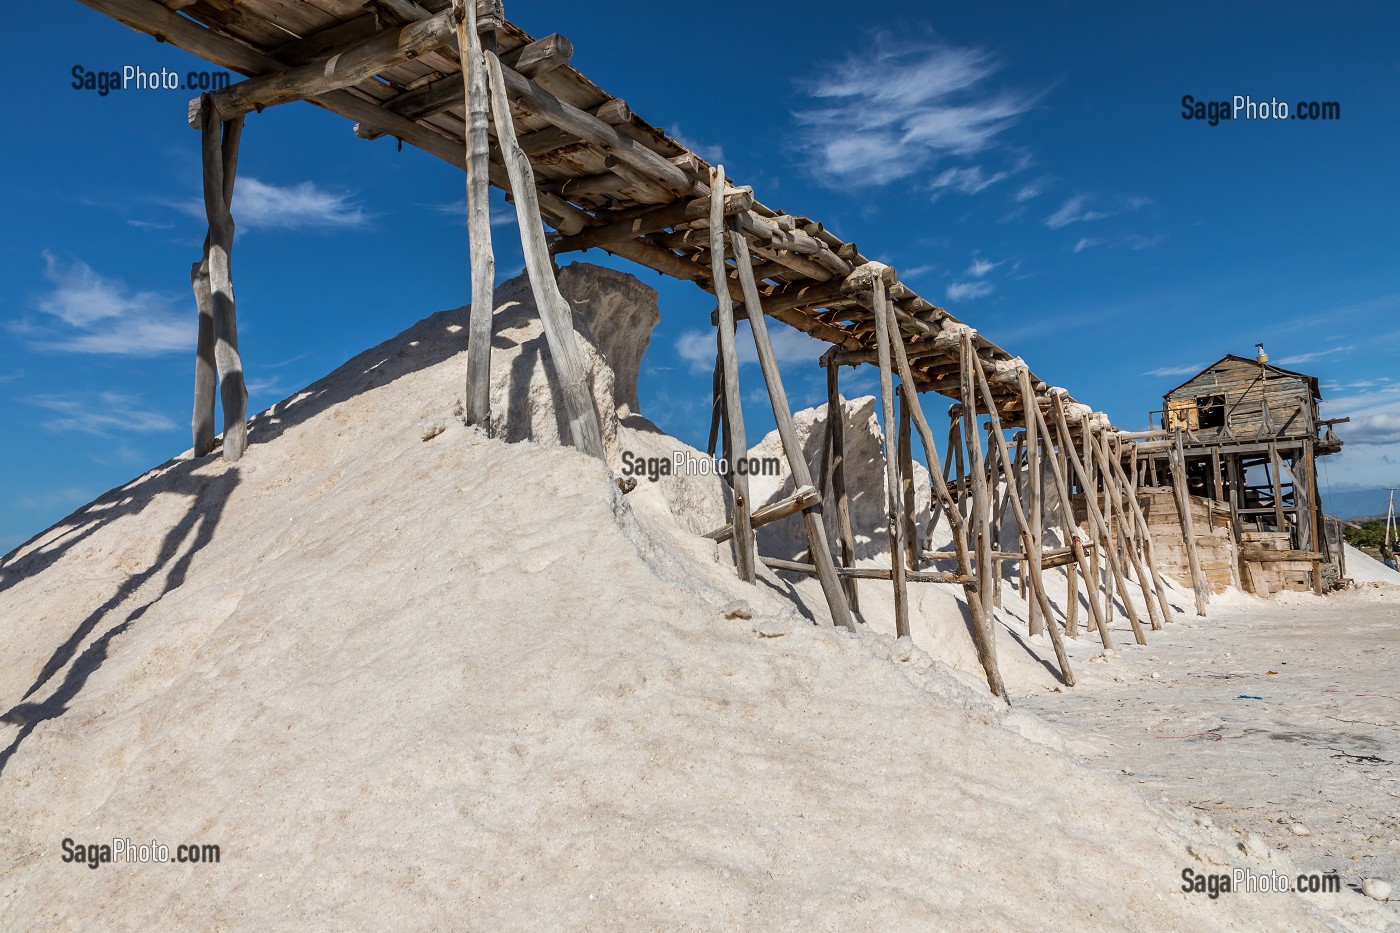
(555, 313)
(818, 548)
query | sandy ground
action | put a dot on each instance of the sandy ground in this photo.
(1280, 719)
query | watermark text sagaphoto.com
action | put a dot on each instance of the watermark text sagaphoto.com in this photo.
(684, 463)
(136, 78)
(1248, 881)
(1244, 107)
(96, 854)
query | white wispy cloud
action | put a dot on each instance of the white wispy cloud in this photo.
(966, 180)
(894, 108)
(1073, 211)
(966, 291)
(1374, 414)
(981, 267)
(697, 348)
(711, 154)
(1030, 190)
(914, 272)
(108, 414)
(149, 224)
(1139, 242)
(1187, 369)
(1297, 358)
(90, 313)
(260, 205)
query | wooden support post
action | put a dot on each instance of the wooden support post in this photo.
(1033, 490)
(1036, 593)
(818, 549)
(735, 441)
(836, 424)
(1188, 529)
(883, 339)
(1096, 519)
(981, 498)
(219, 153)
(717, 398)
(912, 549)
(984, 636)
(1032, 407)
(477, 409)
(1274, 469)
(1114, 493)
(555, 314)
(1145, 539)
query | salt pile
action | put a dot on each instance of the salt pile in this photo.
(402, 673)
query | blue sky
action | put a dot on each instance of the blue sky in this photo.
(1027, 167)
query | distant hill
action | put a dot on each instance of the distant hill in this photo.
(1356, 503)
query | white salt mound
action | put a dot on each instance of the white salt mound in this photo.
(1363, 568)
(456, 682)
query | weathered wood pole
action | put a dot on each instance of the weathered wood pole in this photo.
(1144, 537)
(906, 477)
(977, 470)
(883, 339)
(1188, 526)
(1033, 476)
(1096, 519)
(818, 548)
(1067, 522)
(983, 634)
(555, 314)
(1127, 548)
(477, 409)
(836, 427)
(206, 366)
(219, 154)
(745, 559)
(1036, 592)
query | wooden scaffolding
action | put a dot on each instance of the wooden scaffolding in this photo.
(457, 80)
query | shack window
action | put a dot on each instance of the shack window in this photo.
(1212, 411)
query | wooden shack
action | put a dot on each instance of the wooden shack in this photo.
(1246, 435)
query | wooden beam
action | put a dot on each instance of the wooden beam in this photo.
(338, 70)
(688, 210)
(532, 59)
(805, 497)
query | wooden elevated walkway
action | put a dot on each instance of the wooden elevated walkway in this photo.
(606, 178)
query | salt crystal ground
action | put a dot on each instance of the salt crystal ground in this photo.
(455, 682)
